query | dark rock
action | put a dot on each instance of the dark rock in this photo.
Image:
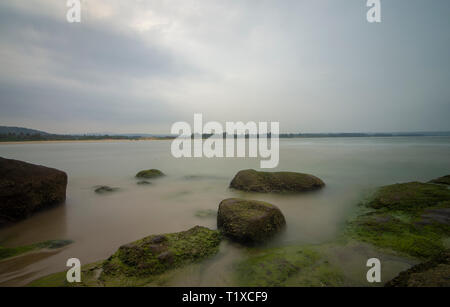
(158, 239)
(27, 188)
(254, 181)
(439, 215)
(441, 180)
(249, 221)
(144, 182)
(150, 173)
(433, 273)
(105, 189)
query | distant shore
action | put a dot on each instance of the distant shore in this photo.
(85, 141)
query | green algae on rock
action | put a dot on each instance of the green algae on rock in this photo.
(150, 173)
(7, 252)
(287, 266)
(433, 273)
(277, 182)
(411, 196)
(441, 180)
(249, 221)
(158, 253)
(411, 218)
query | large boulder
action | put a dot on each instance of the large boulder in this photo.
(249, 221)
(158, 253)
(255, 181)
(27, 188)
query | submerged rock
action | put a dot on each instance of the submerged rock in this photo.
(7, 252)
(206, 213)
(249, 221)
(104, 189)
(255, 181)
(158, 253)
(150, 173)
(433, 273)
(144, 182)
(441, 180)
(27, 188)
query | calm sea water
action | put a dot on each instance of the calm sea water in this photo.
(99, 224)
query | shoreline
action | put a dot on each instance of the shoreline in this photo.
(83, 141)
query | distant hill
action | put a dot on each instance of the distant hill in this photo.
(19, 130)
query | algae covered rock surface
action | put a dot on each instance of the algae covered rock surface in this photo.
(255, 181)
(287, 266)
(249, 221)
(149, 174)
(158, 253)
(441, 180)
(7, 252)
(411, 218)
(433, 273)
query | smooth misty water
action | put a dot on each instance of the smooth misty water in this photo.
(99, 224)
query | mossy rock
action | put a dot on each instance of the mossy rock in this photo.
(158, 253)
(433, 273)
(249, 221)
(411, 196)
(411, 218)
(399, 233)
(255, 181)
(7, 252)
(150, 173)
(441, 180)
(291, 266)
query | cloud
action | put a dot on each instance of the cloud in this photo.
(141, 65)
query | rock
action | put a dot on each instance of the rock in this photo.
(7, 252)
(410, 196)
(249, 221)
(433, 273)
(254, 181)
(144, 182)
(438, 215)
(150, 173)
(206, 213)
(158, 253)
(441, 180)
(105, 189)
(27, 188)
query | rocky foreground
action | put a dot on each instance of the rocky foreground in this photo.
(26, 188)
(408, 223)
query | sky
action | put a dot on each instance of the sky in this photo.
(136, 66)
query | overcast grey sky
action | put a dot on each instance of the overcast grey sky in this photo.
(139, 66)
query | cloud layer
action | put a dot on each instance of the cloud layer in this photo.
(139, 66)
